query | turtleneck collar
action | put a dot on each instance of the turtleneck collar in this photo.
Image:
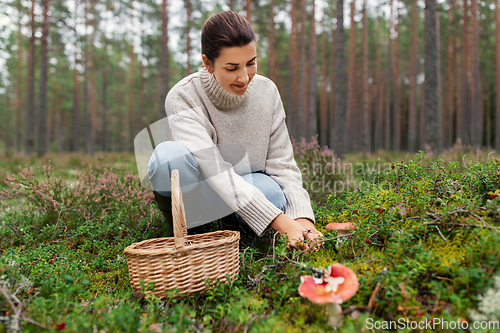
(219, 97)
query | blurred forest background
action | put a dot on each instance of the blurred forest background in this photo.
(88, 75)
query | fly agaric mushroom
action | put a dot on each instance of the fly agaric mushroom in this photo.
(342, 228)
(338, 284)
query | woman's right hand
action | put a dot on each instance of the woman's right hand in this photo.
(294, 230)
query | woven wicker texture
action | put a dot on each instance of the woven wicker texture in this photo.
(183, 262)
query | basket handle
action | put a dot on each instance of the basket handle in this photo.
(178, 214)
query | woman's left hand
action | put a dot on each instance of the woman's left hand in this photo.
(312, 233)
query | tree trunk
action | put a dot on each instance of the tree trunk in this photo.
(475, 110)
(438, 73)
(92, 94)
(448, 124)
(339, 140)
(302, 109)
(19, 104)
(365, 127)
(249, 11)
(30, 112)
(131, 118)
(188, 38)
(396, 86)
(387, 123)
(463, 132)
(42, 113)
(86, 114)
(458, 88)
(412, 113)
(332, 82)
(432, 117)
(377, 140)
(293, 73)
(75, 146)
(164, 68)
(104, 135)
(323, 104)
(351, 84)
(271, 60)
(497, 86)
(59, 126)
(312, 116)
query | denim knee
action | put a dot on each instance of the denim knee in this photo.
(170, 155)
(269, 187)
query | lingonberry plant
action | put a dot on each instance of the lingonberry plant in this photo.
(423, 248)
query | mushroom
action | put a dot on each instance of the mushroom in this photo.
(342, 229)
(338, 284)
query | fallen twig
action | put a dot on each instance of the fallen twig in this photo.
(463, 225)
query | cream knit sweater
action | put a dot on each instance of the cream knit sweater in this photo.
(204, 117)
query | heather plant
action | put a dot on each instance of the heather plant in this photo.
(90, 197)
(318, 168)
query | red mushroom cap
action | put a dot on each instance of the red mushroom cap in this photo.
(317, 292)
(341, 226)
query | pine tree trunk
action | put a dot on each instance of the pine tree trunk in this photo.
(19, 104)
(439, 75)
(249, 11)
(397, 83)
(131, 78)
(377, 140)
(463, 132)
(302, 109)
(488, 119)
(331, 120)
(351, 84)
(365, 127)
(323, 99)
(293, 73)
(387, 123)
(312, 116)
(86, 114)
(448, 127)
(59, 125)
(475, 110)
(271, 60)
(104, 119)
(75, 132)
(432, 116)
(497, 86)
(164, 68)
(30, 112)
(412, 113)
(92, 94)
(188, 38)
(340, 115)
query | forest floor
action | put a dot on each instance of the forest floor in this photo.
(425, 248)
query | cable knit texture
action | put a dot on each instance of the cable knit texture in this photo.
(225, 133)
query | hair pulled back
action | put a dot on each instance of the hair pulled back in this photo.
(225, 29)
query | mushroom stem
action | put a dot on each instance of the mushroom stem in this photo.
(335, 315)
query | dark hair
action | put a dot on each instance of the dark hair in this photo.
(225, 29)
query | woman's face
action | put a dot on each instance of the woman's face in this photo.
(234, 68)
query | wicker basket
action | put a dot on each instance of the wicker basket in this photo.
(183, 262)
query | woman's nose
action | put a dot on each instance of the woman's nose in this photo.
(243, 75)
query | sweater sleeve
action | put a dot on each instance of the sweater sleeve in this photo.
(248, 201)
(281, 166)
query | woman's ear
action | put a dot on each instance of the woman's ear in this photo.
(207, 64)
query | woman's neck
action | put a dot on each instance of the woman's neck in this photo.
(219, 97)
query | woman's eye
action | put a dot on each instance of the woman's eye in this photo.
(231, 70)
(251, 64)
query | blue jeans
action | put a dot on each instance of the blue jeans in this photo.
(202, 204)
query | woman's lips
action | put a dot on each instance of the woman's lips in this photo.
(240, 86)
